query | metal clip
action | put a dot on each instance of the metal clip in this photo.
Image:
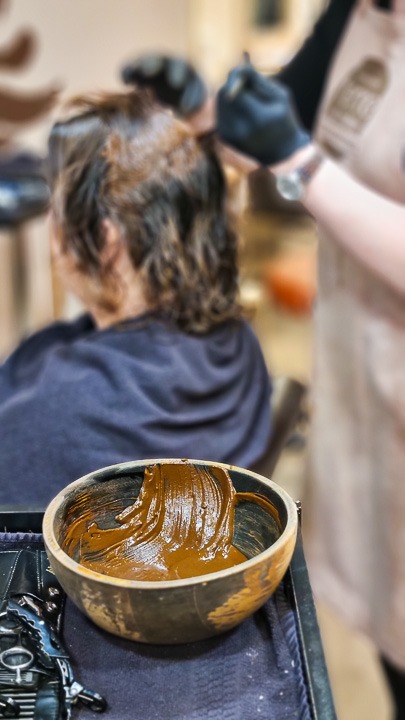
(92, 700)
(75, 692)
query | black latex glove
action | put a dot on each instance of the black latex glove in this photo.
(255, 115)
(173, 81)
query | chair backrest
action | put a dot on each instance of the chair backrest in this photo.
(286, 407)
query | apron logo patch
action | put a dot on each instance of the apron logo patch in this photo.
(352, 106)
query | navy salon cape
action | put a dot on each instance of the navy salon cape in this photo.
(74, 399)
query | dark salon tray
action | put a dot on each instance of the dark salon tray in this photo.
(299, 594)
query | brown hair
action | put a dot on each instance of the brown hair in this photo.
(123, 157)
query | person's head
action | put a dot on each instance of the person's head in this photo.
(136, 198)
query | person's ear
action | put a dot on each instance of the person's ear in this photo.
(112, 242)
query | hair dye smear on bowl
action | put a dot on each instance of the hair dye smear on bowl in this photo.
(180, 526)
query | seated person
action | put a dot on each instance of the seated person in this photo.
(161, 364)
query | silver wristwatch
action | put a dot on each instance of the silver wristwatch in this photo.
(291, 186)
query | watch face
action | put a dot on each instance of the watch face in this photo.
(289, 186)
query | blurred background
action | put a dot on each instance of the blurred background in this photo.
(52, 50)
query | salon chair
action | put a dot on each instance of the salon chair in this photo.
(287, 408)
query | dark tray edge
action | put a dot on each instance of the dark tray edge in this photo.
(313, 658)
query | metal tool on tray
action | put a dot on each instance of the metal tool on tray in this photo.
(49, 653)
(33, 657)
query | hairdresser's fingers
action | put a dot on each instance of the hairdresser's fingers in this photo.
(259, 118)
(173, 80)
(143, 69)
(151, 65)
(177, 72)
(193, 97)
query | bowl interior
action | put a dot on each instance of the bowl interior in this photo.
(103, 495)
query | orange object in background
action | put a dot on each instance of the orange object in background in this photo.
(290, 279)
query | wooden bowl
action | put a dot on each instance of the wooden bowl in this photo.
(172, 611)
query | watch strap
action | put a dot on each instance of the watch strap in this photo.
(291, 185)
(308, 168)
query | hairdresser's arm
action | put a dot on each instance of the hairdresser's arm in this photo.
(368, 225)
(306, 72)
(260, 121)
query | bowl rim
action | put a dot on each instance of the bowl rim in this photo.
(289, 532)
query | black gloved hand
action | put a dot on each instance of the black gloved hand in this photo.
(255, 115)
(173, 81)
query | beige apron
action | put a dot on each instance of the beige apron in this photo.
(356, 547)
